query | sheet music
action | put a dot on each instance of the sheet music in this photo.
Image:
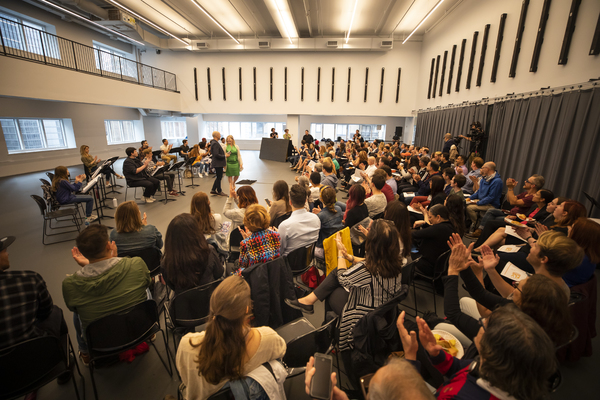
(99, 169)
(90, 184)
(156, 170)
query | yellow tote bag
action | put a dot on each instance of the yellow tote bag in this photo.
(330, 249)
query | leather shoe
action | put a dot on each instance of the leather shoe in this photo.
(299, 306)
(475, 234)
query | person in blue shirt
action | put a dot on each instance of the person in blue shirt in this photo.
(489, 193)
(64, 191)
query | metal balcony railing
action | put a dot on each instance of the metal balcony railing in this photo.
(22, 41)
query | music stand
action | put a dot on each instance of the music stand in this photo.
(161, 169)
(156, 155)
(93, 184)
(177, 166)
(189, 163)
(113, 180)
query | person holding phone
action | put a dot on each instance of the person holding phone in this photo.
(234, 162)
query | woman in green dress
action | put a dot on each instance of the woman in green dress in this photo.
(234, 162)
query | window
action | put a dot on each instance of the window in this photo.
(243, 130)
(120, 132)
(28, 36)
(175, 130)
(112, 60)
(33, 134)
(346, 131)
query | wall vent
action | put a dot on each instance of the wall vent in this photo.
(332, 43)
(264, 45)
(202, 45)
(387, 44)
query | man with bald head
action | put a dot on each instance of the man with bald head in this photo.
(488, 196)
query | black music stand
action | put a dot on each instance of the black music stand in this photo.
(107, 166)
(175, 167)
(162, 171)
(113, 181)
(189, 163)
(93, 184)
(156, 155)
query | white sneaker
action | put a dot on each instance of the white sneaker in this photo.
(120, 176)
(200, 175)
(149, 200)
(108, 184)
(206, 174)
(91, 218)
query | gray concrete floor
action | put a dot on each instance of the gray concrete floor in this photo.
(146, 378)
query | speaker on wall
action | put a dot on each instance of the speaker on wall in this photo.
(302, 84)
(195, 84)
(254, 76)
(518, 39)
(431, 77)
(318, 83)
(285, 84)
(564, 50)
(381, 85)
(498, 47)
(539, 39)
(208, 83)
(332, 82)
(451, 72)
(435, 75)
(366, 82)
(486, 33)
(398, 85)
(348, 92)
(240, 82)
(271, 83)
(443, 73)
(472, 59)
(460, 64)
(224, 91)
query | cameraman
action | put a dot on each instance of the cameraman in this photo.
(475, 137)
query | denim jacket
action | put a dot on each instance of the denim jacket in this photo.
(330, 223)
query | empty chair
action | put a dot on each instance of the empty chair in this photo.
(441, 266)
(50, 215)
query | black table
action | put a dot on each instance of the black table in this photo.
(274, 149)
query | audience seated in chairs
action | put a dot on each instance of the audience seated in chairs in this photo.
(235, 206)
(166, 148)
(473, 176)
(260, 243)
(188, 260)
(132, 232)
(136, 175)
(487, 196)
(230, 350)
(302, 227)
(281, 200)
(397, 212)
(168, 177)
(104, 285)
(200, 208)
(586, 233)
(64, 191)
(92, 163)
(430, 240)
(330, 216)
(356, 209)
(184, 149)
(354, 288)
(375, 200)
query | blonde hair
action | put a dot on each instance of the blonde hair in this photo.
(82, 149)
(128, 218)
(256, 218)
(562, 252)
(232, 140)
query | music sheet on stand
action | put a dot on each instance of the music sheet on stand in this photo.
(90, 184)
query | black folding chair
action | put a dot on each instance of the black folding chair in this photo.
(115, 333)
(27, 366)
(593, 201)
(300, 260)
(440, 268)
(408, 278)
(189, 309)
(150, 255)
(277, 221)
(235, 238)
(50, 215)
(303, 340)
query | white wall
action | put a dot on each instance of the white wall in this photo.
(88, 126)
(390, 122)
(473, 15)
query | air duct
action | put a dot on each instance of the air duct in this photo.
(88, 7)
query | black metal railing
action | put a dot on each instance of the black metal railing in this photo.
(22, 41)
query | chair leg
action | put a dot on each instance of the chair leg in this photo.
(93, 380)
(72, 352)
(169, 368)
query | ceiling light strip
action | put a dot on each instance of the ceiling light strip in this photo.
(215, 21)
(352, 21)
(91, 22)
(424, 19)
(148, 22)
(283, 22)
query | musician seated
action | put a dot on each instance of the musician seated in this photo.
(162, 174)
(136, 174)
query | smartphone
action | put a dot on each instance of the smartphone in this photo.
(364, 384)
(268, 202)
(320, 386)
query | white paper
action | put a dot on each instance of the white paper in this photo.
(411, 209)
(311, 165)
(157, 169)
(90, 184)
(97, 171)
(509, 230)
(356, 178)
(509, 248)
(511, 271)
(409, 194)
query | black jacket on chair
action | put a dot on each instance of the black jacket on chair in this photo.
(271, 283)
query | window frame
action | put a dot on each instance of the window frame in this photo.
(46, 45)
(108, 123)
(43, 135)
(254, 127)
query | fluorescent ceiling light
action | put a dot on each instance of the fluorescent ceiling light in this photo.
(424, 19)
(214, 20)
(91, 22)
(147, 21)
(352, 21)
(283, 22)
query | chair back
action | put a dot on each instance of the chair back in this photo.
(277, 221)
(441, 265)
(123, 329)
(45, 182)
(593, 201)
(191, 308)
(301, 259)
(300, 349)
(88, 173)
(41, 203)
(29, 365)
(150, 255)
(235, 238)
(223, 394)
(408, 272)
(50, 175)
(378, 216)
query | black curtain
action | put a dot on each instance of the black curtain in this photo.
(433, 125)
(557, 136)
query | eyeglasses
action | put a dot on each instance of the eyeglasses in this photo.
(515, 284)
(481, 323)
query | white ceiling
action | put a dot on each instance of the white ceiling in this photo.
(267, 18)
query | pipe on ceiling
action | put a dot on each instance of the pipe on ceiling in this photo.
(88, 7)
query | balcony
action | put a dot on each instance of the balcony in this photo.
(24, 42)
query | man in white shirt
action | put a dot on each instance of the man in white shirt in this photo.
(166, 157)
(377, 202)
(302, 227)
(370, 170)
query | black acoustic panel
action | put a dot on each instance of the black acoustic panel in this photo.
(240, 79)
(518, 39)
(224, 91)
(332, 82)
(472, 59)
(254, 76)
(285, 84)
(498, 47)
(348, 92)
(539, 39)
(443, 73)
(595, 48)
(431, 77)
(302, 85)
(195, 84)
(318, 83)
(366, 83)
(564, 50)
(398, 85)
(435, 75)
(381, 85)
(451, 72)
(271, 83)
(460, 64)
(486, 33)
(208, 83)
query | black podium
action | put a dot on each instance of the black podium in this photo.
(274, 149)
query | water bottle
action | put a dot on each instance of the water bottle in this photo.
(115, 204)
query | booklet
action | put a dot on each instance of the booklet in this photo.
(411, 209)
(509, 248)
(509, 230)
(511, 271)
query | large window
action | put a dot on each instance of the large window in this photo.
(33, 134)
(118, 132)
(112, 60)
(243, 130)
(175, 130)
(29, 37)
(346, 131)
